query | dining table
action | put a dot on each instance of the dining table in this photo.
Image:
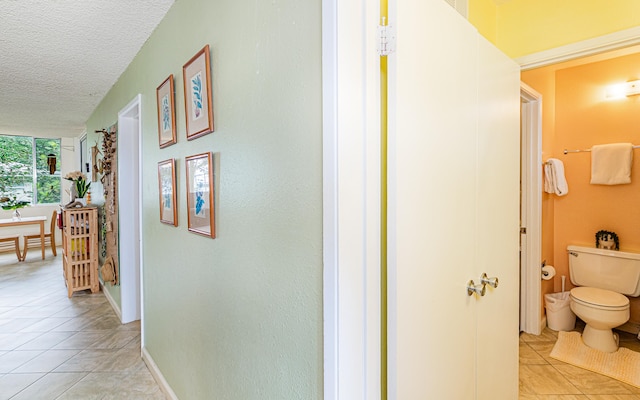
(37, 220)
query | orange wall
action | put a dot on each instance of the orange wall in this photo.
(580, 119)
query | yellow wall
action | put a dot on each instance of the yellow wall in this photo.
(483, 14)
(522, 27)
(581, 118)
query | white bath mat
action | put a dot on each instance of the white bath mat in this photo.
(623, 365)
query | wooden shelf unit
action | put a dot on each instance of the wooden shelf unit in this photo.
(80, 249)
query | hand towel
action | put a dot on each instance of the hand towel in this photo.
(611, 164)
(549, 183)
(554, 180)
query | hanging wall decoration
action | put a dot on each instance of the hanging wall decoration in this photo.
(200, 207)
(166, 113)
(198, 107)
(51, 162)
(109, 179)
(167, 192)
(109, 272)
(96, 163)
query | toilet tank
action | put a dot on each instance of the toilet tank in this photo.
(618, 271)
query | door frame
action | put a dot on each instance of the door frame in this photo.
(130, 217)
(534, 322)
(351, 332)
(531, 320)
(589, 47)
(351, 200)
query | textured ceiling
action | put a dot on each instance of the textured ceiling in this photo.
(58, 58)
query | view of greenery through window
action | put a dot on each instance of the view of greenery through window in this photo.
(24, 166)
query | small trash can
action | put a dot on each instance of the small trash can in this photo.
(559, 314)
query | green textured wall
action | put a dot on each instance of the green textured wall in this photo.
(239, 316)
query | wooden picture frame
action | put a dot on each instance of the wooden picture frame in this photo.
(165, 98)
(198, 106)
(167, 192)
(200, 205)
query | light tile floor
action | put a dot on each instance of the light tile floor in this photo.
(53, 347)
(544, 378)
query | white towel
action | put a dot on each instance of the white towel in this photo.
(554, 180)
(611, 164)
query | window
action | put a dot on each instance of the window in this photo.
(24, 165)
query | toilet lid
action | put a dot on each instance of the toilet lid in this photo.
(600, 297)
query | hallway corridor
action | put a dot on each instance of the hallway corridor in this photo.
(53, 347)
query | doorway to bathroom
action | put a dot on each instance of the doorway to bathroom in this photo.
(530, 208)
(531, 313)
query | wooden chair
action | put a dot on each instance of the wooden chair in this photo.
(9, 243)
(49, 237)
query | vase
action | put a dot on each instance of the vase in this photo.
(82, 200)
(16, 215)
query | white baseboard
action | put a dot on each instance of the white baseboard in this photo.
(111, 301)
(157, 375)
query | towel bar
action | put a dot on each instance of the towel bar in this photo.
(588, 150)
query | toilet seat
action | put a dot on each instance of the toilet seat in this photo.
(599, 298)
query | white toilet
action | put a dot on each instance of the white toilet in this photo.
(603, 277)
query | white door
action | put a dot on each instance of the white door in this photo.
(453, 209)
(498, 230)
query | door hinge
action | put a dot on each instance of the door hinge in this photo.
(386, 39)
(523, 230)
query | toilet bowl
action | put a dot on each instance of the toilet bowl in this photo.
(604, 279)
(601, 310)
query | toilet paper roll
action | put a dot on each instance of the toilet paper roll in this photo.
(550, 272)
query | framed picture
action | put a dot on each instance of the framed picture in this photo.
(200, 207)
(166, 113)
(167, 191)
(198, 106)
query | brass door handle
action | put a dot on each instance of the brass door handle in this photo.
(477, 289)
(493, 282)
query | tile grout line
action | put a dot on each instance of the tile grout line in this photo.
(86, 349)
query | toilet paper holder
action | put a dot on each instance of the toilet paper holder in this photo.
(544, 273)
(548, 272)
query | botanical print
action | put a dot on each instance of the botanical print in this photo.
(196, 77)
(199, 204)
(165, 103)
(166, 180)
(166, 114)
(201, 187)
(196, 96)
(167, 188)
(200, 207)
